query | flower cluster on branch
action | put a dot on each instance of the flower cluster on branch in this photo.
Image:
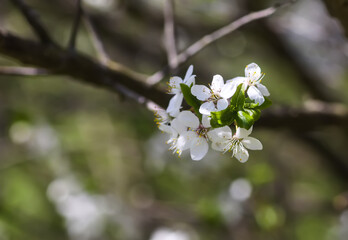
(214, 110)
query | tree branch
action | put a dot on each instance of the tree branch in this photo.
(169, 35)
(75, 28)
(22, 71)
(216, 35)
(80, 67)
(33, 20)
(119, 79)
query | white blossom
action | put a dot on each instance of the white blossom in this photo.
(252, 82)
(173, 129)
(223, 140)
(174, 84)
(216, 96)
(195, 137)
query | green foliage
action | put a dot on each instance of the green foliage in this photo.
(242, 111)
(190, 99)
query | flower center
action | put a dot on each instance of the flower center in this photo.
(202, 131)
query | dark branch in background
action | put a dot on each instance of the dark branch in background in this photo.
(23, 71)
(169, 34)
(339, 10)
(75, 28)
(97, 43)
(214, 36)
(311, 117)
(79, 66)
(118, 79)
(33, 19)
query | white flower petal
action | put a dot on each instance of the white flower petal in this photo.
(167, 129)
(253, 71)
(185, 140)
(206, 121)
(199, 148)
(243, 133)
(190, 80)
(188, 119)
(178, 126)
(201, 92)
(175, 104)
(263, 89)
(188, 73)
(252, 143)
(217, 83)
(237, 80)
(255, 94)
(207, 107)
(221, 104)
(219, 146)
(220, 134)
(174, 84)
(241, 154)
(228, 89)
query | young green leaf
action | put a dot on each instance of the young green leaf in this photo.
(238, 98)
(265, 104)
(222, 118)
(190, 99)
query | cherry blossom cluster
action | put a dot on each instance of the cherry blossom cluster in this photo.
(213, 110)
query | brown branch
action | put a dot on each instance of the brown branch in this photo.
(80, 67)
(169, 36)
(118, 79)
(75, 28)
(216, 35)
(97, 43)
(22, 71)
(33, 20)
(315, 115)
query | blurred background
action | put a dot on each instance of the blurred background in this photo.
(77, 162)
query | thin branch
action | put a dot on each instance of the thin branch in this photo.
(75, 28)
(22, 71)
(97, 43)
(33, 20)
(314, 115)
(216, 35)
(169, 33)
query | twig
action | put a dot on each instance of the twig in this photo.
(117, 79)
(97, 43)
(216, 35)
(33, 20)
(22, 71)
(75, 28)
(169, 35)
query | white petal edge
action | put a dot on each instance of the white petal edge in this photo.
(188, 119)
(217, 83)
(184, 141)
(252, 143)
(241, 154)
(243, 133)
(178, 126)
(175, 104)
(206, 108)
(199, 148)
(262, 88)
(201, 92)
(188, 73)
(228, 89)
(253, 71)
(256, 95)
(206, 121)
(221, 104)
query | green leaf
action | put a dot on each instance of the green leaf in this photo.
(247, 117)
(238, 98)
(265, 104)
(190, 99)
(222, 118)
(250, 103)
